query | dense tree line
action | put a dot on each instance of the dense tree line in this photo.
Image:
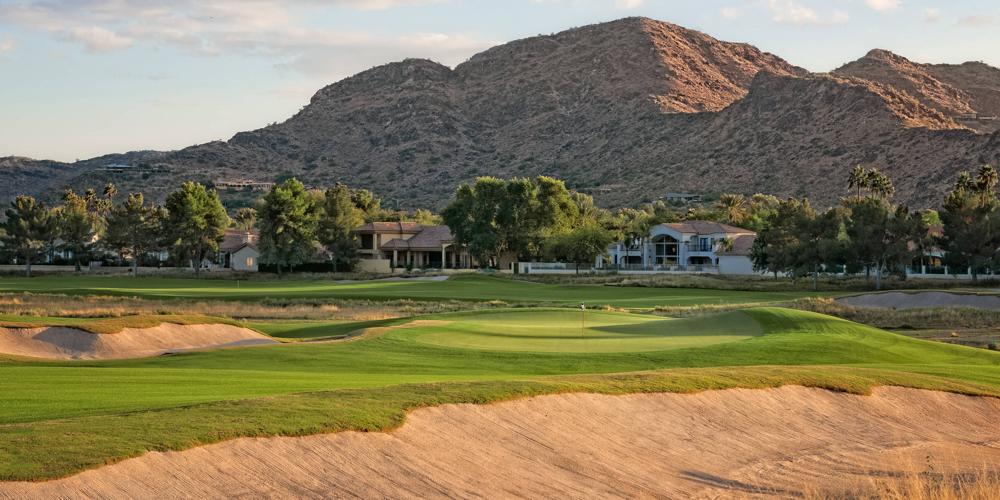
(869, 233)
(527, 219)
(191, 224)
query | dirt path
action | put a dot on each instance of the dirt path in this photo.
(901, 300)
(776, 442)
(70, 343)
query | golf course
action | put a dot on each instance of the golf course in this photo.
(59, 417)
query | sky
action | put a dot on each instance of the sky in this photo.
(81, 78)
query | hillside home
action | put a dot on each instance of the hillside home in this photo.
(389, 245)
(694, 246)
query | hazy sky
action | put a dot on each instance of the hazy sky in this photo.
(79, 78)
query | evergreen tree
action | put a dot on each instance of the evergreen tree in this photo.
(971, 227)
(336, 227)
(78, 225)
(27, 230)
(134, 229)
(288, 219)
(195, 223)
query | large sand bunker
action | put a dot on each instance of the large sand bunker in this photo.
(779, 442)
(70, 343)
(901, 300)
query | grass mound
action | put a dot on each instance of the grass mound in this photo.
(567, 330)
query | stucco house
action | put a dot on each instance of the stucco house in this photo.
(694, 246)
(388, 245)
(734, 258)
(238, 251)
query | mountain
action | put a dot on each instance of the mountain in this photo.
(626, 110)
(962, 92)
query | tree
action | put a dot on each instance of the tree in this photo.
(494, 217)
(336, 225)
(579, 245)
(195, 223)
(78, 225)
(880, 235)
(734, 208)
(288, 223)
(762, 208)
(971, 229)
(858, 179)
(796, 240)
(27, 230)
(134, 229)
(245, 219)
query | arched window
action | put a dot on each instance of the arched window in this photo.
(665, 249)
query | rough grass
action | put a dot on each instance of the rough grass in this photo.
(476, 288)
(828, 283)
(899, 319)
(98, 306)
(57, 418)
(925, 484)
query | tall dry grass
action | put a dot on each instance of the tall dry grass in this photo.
(981, 485)
(91, 306)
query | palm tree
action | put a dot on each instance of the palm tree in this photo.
(734, 206)
(858, 179)
(879, 184)
(986, 183)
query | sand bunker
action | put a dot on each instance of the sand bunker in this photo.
(722, 443)
(70, 343)
(900, 300)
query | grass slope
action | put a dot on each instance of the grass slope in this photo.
(567, 330)
(57, 418)
(463, 287)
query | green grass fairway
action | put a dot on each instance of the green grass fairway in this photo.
(57, 418)
(462, 287)
(567, 330)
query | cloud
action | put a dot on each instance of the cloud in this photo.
(629, 4)
(7, 45)
(275, 29)
(98, 39)
(932, 15)
(883, 5)
(793, 12)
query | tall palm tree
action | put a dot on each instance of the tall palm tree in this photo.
(735, 208)
(858, 179)
(986, 183)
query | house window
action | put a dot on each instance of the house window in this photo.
(249, 262)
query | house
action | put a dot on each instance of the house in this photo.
(238, 251)
(682, 198)
(692, 246)
(388, 245)
(734, 257)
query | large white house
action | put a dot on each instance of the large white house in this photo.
(692, 246)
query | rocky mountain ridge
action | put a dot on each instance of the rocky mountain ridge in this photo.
(626, 110)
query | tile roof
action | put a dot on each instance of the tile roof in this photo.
(390, 227)
(705, 227)
(741, 245)
(236, 239)
(429, 238)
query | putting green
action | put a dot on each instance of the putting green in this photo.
(567, 330)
